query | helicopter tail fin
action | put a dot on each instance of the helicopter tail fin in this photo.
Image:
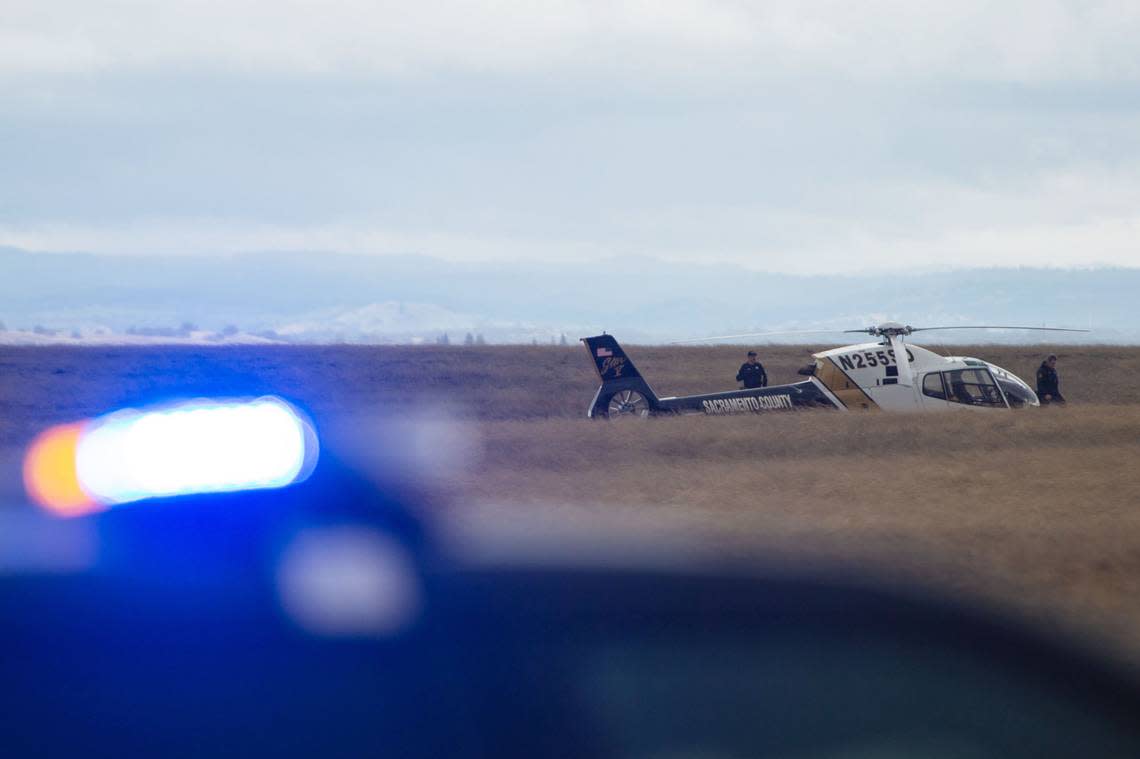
(609, 358)
(619, 378)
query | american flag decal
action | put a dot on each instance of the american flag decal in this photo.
(604, 352)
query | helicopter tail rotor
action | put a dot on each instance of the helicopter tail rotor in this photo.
(624, 392)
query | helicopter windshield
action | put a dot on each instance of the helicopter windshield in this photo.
(973, 387)
(1016, 391)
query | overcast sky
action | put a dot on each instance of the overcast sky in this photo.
(801, 137)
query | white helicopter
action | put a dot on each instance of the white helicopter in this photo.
(864, 376)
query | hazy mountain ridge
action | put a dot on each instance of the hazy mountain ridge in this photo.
(330, 296)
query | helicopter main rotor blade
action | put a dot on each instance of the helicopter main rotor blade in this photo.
(760, 334)
(1000, 326)
(905, 330)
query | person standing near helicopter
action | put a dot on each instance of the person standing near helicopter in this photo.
(1049, 382)
(752, 372)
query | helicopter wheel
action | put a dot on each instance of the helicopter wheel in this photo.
(627, 403)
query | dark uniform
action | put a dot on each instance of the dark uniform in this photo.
(752, 375)
(1048, 383)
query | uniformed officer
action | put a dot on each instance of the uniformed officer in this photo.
(752, 372)
(1048, 383)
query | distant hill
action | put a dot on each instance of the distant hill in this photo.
(331, 296)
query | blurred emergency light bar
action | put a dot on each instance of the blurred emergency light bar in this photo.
(199, 446)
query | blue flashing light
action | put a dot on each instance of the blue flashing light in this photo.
(201, 446)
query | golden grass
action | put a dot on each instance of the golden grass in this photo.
(1037, 511)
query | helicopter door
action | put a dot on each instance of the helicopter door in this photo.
(934, 393)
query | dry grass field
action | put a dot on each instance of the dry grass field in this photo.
(1035, 511)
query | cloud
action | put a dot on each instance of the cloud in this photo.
(1079, 216)
(1021, 41)
(789, 136)
(192, 236)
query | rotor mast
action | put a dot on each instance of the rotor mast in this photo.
(894, 333)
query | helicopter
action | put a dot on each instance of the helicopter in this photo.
(867, 376)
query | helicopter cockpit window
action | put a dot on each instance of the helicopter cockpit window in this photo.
(932, 386)
(973, 387)
(1017, 393)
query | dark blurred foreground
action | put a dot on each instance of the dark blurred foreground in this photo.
(328, 619)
